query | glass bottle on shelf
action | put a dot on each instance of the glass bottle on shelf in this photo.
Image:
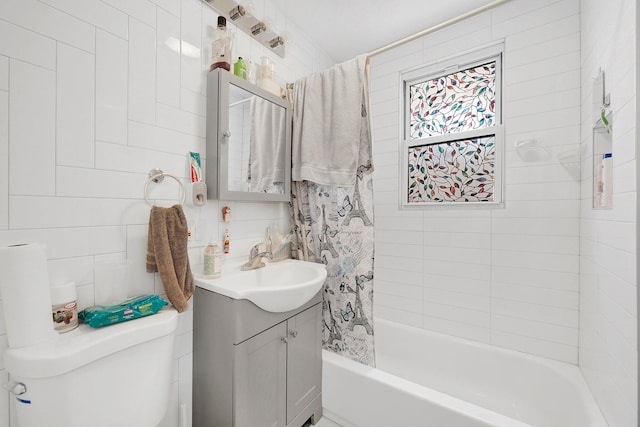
(240, 68)
(221, 46)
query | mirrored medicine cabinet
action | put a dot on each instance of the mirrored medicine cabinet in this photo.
(248, 141)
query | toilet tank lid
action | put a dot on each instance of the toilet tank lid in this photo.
(84, 345)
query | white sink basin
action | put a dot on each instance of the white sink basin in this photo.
(278, 287)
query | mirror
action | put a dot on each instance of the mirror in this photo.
(248, 141)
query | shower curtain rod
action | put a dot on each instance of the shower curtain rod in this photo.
(437, 27)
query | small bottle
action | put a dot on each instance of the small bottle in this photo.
(240, 68)
(225, 246)
(267, 74)
(251, 72)
(64, 309)
(607, 180)
(221, 46)
(212, 261)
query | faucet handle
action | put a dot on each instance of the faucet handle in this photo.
(255, 249)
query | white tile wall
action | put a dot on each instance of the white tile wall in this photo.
(75, 101)
(94, 12)
(142, 72)
(32, 129)
(50, 22)
(162, 139)
(111, 88)
(93, 94)
(509, 275)
(193, 31)
(4, 157)
(171, 6)
(141, 10)
(4, 73)
(168, 59)
(180, 120)
(34, 48)
(608, 261)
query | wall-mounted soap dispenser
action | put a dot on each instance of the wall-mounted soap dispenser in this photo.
(198, 187)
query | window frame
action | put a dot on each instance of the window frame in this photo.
(440, 69)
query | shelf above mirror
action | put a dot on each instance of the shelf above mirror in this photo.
(254, 27)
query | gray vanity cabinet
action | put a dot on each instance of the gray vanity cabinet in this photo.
(304, 360)
(253, 368)
(260, 383)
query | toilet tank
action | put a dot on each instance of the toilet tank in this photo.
(115, 375)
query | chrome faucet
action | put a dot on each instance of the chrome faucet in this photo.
(255, 257)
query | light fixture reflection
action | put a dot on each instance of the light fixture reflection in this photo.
(182, 47)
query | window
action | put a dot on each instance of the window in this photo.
(452, 148)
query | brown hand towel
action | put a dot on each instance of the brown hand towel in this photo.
(167, 253)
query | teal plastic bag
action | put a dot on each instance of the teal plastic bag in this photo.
(133, 308)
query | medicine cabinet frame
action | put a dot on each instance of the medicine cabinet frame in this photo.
(219, 137)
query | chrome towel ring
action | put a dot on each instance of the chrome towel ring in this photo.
(157, 175)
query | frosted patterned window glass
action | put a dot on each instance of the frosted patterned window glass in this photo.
(461, 101)
(456, 171)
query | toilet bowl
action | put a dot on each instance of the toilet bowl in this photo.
(115, 375)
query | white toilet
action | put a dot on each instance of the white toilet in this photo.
(111, 376)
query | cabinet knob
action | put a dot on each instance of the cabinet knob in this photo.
(293, 334)
(284, 340)
(227, 134)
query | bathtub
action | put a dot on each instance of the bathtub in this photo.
(426, 379)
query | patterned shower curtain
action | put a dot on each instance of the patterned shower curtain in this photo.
(332, 200)
(334, 225)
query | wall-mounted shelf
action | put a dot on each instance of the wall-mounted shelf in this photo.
(602, 140)
(248, 23)
(603, 164)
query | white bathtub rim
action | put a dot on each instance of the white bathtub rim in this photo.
(405, 386)
(335, 418)
(569, 371)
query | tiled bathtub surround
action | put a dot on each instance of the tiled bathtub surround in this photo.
(608, 252)
(544, 274)
(506, 276)
(94, 94)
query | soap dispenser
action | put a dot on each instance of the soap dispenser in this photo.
(240, 68)
(212, 261)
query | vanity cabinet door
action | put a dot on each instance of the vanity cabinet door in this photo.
(304, 367)
(260, 379)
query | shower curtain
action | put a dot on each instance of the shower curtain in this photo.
(332, 220)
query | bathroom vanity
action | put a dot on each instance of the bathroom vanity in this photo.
(252, 367)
